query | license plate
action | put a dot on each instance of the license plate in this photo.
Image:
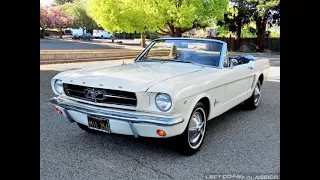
(99, 123)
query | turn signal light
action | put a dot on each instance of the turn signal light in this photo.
(58, 111)
(161, 132)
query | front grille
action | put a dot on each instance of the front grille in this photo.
(109, 96)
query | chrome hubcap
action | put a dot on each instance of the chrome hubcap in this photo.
(196, 128)
(257, 94)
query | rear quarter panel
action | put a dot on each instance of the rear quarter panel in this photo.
(261, 66)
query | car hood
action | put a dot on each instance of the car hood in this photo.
(134, 77)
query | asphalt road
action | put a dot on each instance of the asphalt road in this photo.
(72, 45)
(237, 142)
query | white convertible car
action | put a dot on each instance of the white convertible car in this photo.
(174, 86)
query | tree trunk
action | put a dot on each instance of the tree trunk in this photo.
(143, 39)
(83, 35)
(113, 35)
(261, 34)
(42, 33)
(60, 33)
(239, 26)
(176, 34)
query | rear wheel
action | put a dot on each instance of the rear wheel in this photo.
(254, 100)
(191, 139)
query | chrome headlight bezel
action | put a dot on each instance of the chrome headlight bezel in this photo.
(163, 102)
(58, 87)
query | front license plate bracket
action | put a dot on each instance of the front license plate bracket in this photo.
(99, 123)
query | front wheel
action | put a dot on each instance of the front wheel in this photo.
(254, 100)
(191, 139)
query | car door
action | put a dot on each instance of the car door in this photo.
(236, 82)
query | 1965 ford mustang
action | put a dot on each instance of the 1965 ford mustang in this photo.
(174, 86)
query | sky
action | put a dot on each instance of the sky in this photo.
(46, 2)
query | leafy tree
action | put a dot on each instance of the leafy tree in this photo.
(46, 21)
(179, 16)
(78, 11)
(61, 2)
(109, 14)
(247, 31)
(167, 17)
(223, 31)
(238, 15)
(132, 16)
(142, 17)
(59, 18)
(265, 12)
(274, 34)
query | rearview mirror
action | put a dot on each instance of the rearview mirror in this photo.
(233, 62)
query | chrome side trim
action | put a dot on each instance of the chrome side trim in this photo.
(128, 116)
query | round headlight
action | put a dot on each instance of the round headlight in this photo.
(58, 86)
(163, 102)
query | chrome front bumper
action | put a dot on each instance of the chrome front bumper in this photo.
(130, 117)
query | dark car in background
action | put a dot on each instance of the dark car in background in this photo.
(85, 36)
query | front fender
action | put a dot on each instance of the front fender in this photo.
(186, 106)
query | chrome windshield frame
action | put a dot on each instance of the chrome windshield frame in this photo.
(222, 53)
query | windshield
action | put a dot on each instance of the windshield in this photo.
(184, 50)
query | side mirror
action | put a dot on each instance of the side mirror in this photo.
(233, 62)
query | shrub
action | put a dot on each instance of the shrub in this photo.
(136, 36)
(152, 35)
(46, 33)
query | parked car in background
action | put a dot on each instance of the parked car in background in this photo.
(86, 36)
(172, 89)
(102, 34)
(73, 31)
(75, 36)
